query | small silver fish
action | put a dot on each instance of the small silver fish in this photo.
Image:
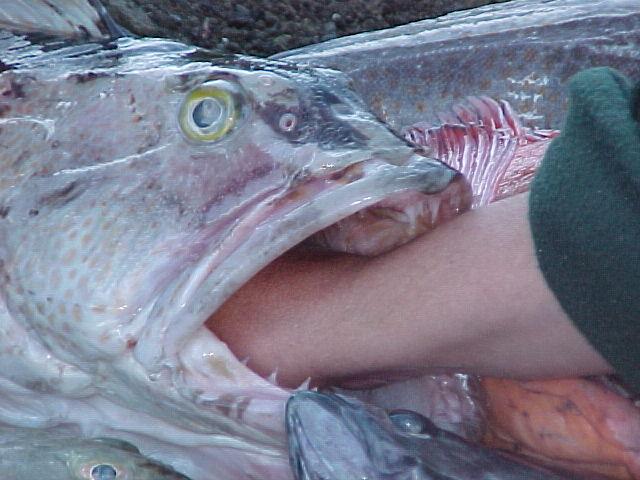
(35, 454)
(332, 437)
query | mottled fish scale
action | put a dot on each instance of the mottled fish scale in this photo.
(522, 51)
(122, 231)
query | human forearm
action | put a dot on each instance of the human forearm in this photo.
(468, 296)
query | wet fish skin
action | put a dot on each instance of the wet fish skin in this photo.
(521, 51)
(35, 454)
(333, 437)
(121, 233)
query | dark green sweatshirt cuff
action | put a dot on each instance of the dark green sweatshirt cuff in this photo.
(584, 211)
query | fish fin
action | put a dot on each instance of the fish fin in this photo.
(72, 19)
(483, 139)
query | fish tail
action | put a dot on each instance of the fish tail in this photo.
(84, 19)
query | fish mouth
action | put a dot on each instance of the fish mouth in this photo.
(274, 223)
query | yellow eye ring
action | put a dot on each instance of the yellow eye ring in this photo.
(209, 112)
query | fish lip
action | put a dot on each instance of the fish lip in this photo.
(204, 287)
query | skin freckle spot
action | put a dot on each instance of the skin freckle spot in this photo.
(87, 222)
(76, 313)
(66, 328)
(83, 282)
(72, 234)
(51, 319)
(62, 309)
(86, 239)
(40, 308)
(55, 278)
(72, 274)
(68, 294)
(530, 55)
(69, 256)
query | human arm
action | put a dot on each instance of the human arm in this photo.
(469, 296)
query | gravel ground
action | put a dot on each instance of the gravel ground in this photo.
(263, 27)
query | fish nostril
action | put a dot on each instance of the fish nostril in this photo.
(287, 122)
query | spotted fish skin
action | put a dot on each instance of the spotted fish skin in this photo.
(123, 227)
(521, 51)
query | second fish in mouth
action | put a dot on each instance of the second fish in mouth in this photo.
(332, 437)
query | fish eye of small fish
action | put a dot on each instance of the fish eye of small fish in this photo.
(212, 110)
(410, 422)
(100, 470)
(103, 471)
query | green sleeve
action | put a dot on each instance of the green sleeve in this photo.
(584, 211)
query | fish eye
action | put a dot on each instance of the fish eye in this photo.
(287, 122)
(104, 471)
(209, 111)
(411, 422)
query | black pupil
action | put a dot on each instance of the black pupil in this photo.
(206, 113)
(103, 472)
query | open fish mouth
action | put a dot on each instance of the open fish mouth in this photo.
(218, 167)
(343, 181)
(367, 207)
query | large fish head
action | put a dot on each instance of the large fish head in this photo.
(333, 437)
(139, 194)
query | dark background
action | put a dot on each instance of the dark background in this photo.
(263, 27)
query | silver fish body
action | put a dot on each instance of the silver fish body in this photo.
(332, 437)
(521, 51)
(34, 454)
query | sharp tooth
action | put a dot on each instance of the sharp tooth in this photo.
(273, 377)
(304, 385)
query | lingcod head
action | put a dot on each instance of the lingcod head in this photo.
(142, 183)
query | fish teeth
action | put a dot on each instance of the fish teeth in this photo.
(304, 385)
(273, 377)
